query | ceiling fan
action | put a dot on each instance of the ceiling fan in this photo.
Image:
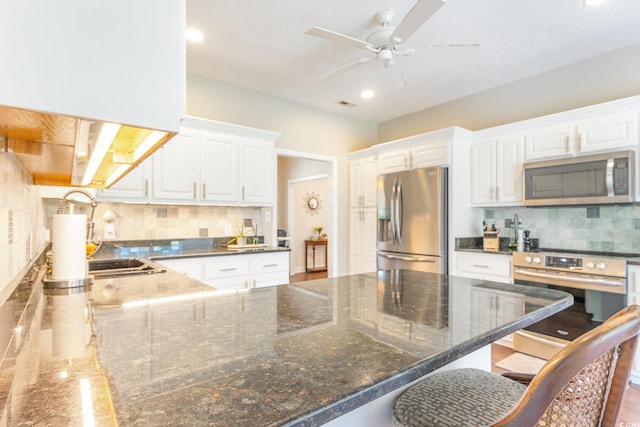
(385, 43)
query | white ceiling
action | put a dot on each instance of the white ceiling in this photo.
(262, 45)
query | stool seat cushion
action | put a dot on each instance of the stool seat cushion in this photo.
(458, 397)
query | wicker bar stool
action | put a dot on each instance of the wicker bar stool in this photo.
(582, 385)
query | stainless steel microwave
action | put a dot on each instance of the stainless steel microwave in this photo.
(595, 179)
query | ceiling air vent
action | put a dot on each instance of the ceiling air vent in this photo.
(347, 103)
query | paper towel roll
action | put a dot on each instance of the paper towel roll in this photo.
(68, 245)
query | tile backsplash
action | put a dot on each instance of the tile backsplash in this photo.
(608, 228)
(22, 234)
(142, 222)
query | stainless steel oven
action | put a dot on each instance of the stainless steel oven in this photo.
(598, 286)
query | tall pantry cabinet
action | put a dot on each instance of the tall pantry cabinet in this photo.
(363, 169)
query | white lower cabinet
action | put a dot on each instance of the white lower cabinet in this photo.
(232, 272)
(362, 240)
(484, 266)
(633, 298)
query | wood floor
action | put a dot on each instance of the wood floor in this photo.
(629, 415)
(300, 277)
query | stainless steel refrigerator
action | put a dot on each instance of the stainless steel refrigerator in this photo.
(412, 220)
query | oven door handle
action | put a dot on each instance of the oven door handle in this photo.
(569, 278)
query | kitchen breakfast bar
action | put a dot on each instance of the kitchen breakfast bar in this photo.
(164, 349)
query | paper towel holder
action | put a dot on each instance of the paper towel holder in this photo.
(81, 282)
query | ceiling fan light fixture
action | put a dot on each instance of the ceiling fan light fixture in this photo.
(386, 56)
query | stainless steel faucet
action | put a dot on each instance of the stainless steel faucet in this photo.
(63, 203)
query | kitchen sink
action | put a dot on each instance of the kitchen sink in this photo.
(123, 267)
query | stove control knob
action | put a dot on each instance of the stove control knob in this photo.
(602, 266)
(591, 264)
(528, 259)
(537, 260)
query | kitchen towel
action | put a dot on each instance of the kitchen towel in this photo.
(68, 245)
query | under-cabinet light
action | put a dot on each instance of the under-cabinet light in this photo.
(107, 135)
(152, 139)
(593, 2)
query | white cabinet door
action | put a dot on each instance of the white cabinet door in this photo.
(548, 143)
(363, 174)
(192, 267)
(429, 155)
(269, 269)
(509, 169)
(176, 169)
(608, 133)
(132, 187)
(483, 172)
(218, 169)
(595, 134)
(395, 161)
(362, 240)
(496, 171)
(485, 266)
(257, 173)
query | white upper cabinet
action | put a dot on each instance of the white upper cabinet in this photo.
(363, 173)
(175, 169)
(496, 171)
(218, 158)
(583, 136)
(420, 151)
(134, 186)
(117, 61)
(394, 161)
(257, 173)
(206, 163)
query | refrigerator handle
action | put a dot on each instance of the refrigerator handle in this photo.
(392, 206)
(399, 212)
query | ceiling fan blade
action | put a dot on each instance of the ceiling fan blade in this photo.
(418, 15)
(338, 38)
(333, 73)
(449, 50)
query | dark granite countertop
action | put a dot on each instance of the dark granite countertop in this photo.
(474, 244)
(176, 248)
(163, 349)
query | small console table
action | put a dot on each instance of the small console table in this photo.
(312, 244)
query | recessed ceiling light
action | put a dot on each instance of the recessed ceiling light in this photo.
(194, 35)
(367, 94)
(593, 2)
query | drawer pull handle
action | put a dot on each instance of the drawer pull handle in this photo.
(270, 265)
(228, 269)
(480, 265)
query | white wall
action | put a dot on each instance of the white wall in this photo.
(303, 129)
(603, 78)
(304, 221)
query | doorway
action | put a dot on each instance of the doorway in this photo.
(307, 175)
